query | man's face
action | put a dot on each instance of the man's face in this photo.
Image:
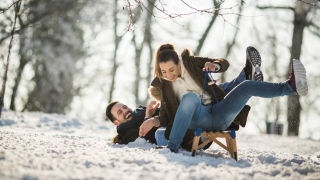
(122, 113)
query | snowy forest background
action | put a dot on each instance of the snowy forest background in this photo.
(73, 57)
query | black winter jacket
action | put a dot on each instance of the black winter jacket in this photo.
(129, 131)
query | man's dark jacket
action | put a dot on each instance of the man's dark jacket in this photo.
(129, 131)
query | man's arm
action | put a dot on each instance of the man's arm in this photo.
(151, 109)
(129, 135)
(148, 124)
(155, 121)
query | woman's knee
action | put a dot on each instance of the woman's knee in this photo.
(189, 102)
(190, 97)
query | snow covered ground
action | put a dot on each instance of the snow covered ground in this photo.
(51, 146)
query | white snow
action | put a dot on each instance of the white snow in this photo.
(50, 146)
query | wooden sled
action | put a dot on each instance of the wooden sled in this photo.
(231, 142)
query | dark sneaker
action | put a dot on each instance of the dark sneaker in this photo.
(253, 64)
(298, 78)
(160, 147)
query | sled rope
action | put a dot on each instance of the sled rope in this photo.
(232, 132)
(204, 82)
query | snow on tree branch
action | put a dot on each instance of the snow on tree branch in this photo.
(2, 10)
(312, 2)
(162, 8)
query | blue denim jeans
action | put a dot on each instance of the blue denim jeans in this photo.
(160, 138)
(227, 87)
(210, 117)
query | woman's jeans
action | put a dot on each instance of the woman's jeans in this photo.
(211, 115)
(227, 87)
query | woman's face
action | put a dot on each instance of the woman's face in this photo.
(170, 70)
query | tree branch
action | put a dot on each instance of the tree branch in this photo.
(316, 33)
(2, 10)
(206, 32)
(131, 15)
(160, 7)
(233, 42)
(25, 25)
(311, 25)
(275, 7)
(314, 3)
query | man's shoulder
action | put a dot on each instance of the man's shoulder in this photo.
(127, 134)
(141, 108)
(138, 114)
(123, 128)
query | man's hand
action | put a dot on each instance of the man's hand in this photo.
(210, 67)
(146, 126)
(151, 108)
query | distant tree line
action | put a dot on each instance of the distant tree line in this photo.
(50, 39)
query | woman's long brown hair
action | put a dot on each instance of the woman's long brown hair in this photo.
(166, 52)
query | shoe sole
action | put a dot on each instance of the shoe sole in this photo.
(255, 60)
(300, 78)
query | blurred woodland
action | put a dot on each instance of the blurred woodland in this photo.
(73, 57)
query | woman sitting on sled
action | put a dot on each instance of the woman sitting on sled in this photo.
(178, 83)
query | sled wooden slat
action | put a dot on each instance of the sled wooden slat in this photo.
(230, 146)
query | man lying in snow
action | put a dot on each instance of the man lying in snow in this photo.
(128, 121)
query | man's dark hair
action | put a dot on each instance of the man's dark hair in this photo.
(108, 110)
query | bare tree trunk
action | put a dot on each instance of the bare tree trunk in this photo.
(23, 62)
(114, 68)
(117, 40)
(54, 69)
(17, 9)
(137, 60)
(206, 32)
(275, 74)
(233, 42)
(149, 66)
(274, 104)
(294, 107)
(148, 41)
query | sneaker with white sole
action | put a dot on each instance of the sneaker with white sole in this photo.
(253, 64)
(298, 78)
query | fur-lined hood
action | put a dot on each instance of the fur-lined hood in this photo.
(155, 93)
(186, 53)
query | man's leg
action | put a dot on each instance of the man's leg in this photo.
(160, 138)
